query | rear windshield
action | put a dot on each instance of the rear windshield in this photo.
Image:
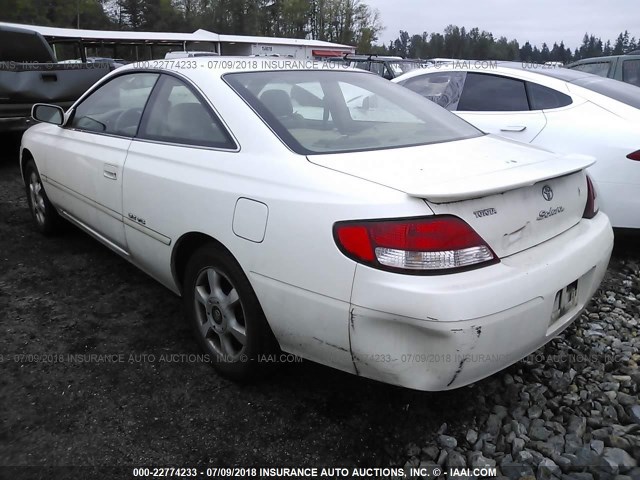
(331, 111)
(620, 91)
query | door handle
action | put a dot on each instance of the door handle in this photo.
(513, 128)
(110, 172)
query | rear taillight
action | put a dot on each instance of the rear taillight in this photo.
(634, 156)
(591, 208)
(425, 245)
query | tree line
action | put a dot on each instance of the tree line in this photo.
(474, 44)
(350, 22)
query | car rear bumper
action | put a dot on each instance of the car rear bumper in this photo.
(443, 332)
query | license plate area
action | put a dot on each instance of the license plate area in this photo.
(565, 300)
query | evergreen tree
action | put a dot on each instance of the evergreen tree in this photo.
(526, 53)
(545, 54)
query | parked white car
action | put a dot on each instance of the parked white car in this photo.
(329, 213)
(554, 108)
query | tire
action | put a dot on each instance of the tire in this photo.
(44, 214)
(225, 314)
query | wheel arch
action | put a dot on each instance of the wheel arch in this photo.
(25, 155)
(184, 248)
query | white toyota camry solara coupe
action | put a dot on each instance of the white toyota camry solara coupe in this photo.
(327, 213)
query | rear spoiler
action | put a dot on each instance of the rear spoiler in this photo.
(498, 182)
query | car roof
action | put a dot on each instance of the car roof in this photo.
(634, 54)
(218, 66)
(559, 73)
(364, 56)
(475, 66)
(385, 58)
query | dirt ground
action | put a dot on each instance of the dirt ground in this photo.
(66, 298)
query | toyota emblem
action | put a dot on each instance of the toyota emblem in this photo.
(547, 193)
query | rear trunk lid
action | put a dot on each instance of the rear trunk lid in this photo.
(513, 195)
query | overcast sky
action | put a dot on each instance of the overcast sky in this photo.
(535, 21)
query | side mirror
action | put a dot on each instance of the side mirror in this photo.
(43, 112)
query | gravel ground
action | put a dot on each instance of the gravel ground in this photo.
(571, 409)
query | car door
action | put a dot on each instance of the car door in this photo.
(498, 104)
(182, 147)
(87, 157)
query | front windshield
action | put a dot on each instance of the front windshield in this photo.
(331, 111)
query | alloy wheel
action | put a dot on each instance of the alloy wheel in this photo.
(220, 314)
(37, 198)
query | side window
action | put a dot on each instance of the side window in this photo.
(631, 72)
(362, 64)
(487, 93)
(177, 115)
(442, 88)
(543, 98)
(388, 72)
(377, 68)
(597, 68)
(116, 107)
